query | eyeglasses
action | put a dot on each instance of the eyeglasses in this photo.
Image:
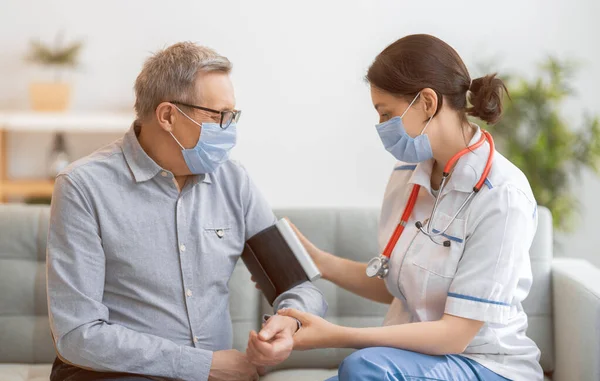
(227, 117)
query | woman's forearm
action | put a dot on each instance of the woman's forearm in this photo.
(345, 273)
(351, 275)
(442, 337)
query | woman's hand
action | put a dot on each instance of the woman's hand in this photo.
(315, 332)
(346, 273)
(317, 255)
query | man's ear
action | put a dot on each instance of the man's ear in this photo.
(429, 101)
(165, 115)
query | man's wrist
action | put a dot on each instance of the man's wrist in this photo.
(294, 324)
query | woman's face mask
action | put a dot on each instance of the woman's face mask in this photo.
(400, 144)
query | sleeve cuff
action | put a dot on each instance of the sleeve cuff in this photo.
(267, 317)
(304, 297)
(477, 308)
(194, 364)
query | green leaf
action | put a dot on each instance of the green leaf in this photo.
(547, 148)
(59, 55)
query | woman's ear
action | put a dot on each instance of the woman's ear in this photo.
(165, 115)
(429, 102)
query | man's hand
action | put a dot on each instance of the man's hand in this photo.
(274, 343)
(232, 365)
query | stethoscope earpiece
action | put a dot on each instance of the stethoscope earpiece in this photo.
(419, 226)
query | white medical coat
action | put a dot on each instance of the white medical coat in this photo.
(485, 273)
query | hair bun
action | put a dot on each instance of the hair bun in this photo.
(485, 96)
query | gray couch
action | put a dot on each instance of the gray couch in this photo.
(563, 307)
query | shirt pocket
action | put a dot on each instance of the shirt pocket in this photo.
(217, 232)
(432, 266)
(436, 258)
(221, 245)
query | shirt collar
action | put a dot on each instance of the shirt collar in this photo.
(206, 178)
(469, 168)
(466, 173)
(422, 174)
(143, 166)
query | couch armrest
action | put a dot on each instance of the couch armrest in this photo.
(576, 294)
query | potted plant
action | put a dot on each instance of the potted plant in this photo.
(546, 146)
(53, 94)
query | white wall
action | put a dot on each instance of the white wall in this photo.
(307, 133)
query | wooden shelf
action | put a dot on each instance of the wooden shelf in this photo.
(106, 122)
(26, 188)
(70, 121)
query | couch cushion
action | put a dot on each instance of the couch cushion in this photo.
(310, 375)
(538, 304)
(24, 328)
(25, 372)
(300, 375)
(20, 372)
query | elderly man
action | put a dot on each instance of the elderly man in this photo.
(145, 234)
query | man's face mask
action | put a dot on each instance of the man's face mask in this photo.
(212, 149)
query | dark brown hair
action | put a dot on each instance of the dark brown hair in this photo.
(421, 61)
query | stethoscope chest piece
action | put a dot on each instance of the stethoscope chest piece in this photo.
(378, 267)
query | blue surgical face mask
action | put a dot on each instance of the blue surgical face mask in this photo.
(400, 144)
(212, 149)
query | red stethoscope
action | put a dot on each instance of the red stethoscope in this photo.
(379, 266)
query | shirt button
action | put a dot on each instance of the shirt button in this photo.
(182, 247)
(188, 292)
(196, 339)
(164, 174)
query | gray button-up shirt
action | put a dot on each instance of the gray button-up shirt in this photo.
(138, 271)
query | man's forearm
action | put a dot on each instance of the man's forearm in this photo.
(114, 348)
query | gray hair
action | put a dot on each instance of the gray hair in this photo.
(170, 74)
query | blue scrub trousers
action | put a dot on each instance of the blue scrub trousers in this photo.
(391, 364)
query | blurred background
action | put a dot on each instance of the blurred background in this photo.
(307, 133)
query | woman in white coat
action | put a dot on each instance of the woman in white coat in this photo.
(454, 279)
